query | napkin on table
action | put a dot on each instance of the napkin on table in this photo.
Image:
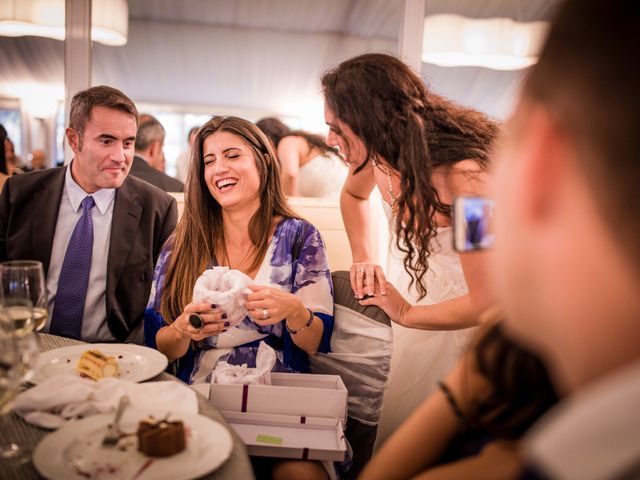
(65, 397)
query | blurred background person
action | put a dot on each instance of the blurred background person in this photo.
(12, 160)
(148, 163)
(182, 163)
(310, 167)
(3, 159)
(37, 161)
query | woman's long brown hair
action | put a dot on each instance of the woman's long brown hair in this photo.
(200, 232)
(390, 109)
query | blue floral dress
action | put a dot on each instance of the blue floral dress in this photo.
(296, 261)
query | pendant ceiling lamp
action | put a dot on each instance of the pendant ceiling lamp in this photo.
(497, 43)
(45, 18)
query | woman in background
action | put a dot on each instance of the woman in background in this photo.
(420, 150)
(310, 168)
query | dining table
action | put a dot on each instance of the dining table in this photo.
(15, 429)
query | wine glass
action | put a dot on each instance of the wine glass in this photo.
(28, 351)
(24, 295)
(10, 376)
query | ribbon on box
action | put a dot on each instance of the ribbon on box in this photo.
(245, 397)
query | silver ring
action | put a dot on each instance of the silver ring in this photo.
(265, 313)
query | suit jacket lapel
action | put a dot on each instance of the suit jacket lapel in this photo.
(126, 217)
(47, 204)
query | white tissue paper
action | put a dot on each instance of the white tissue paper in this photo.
(227, 289)
(241, 374)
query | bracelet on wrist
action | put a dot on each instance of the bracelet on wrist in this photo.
(306, 325)
(455, 407)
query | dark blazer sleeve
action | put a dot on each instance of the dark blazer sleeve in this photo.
(29, 205)
(144, 217)
(141, 169)
(168, 226)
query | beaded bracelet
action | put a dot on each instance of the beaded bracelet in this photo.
(309, 322)
(453, 403)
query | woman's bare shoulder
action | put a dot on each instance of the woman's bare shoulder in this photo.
(293, 140)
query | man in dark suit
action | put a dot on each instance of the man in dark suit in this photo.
(148, 163)
(97, 231)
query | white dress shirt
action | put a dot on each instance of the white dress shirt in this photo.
(594, 434)
(94, 325)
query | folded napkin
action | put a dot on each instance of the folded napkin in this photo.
(65, 397)
(234, 374)
(226, 288)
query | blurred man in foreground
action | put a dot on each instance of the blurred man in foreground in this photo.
(568, 238)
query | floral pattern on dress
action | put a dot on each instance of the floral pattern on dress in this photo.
(296, 261)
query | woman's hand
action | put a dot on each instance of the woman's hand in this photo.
(367, 278)
(391, 302)
(268, 305)
(214, 322)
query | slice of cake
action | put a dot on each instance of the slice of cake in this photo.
(160, 438)
(96, 365)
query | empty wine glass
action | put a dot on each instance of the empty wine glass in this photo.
(24, 294)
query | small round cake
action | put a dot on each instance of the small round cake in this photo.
(160, 438)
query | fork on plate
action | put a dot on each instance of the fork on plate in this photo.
(113, 435)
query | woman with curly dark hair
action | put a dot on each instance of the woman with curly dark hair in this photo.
(420, 150)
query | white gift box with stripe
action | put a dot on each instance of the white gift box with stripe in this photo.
(297, 416)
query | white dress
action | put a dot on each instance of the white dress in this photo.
(421, 357)
(322, 176)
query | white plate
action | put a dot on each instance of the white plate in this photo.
(75, 452)
(137, 363)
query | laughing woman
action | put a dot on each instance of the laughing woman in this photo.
(236, 216)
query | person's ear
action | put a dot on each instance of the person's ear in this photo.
(155, 149)
(75, 143)
(543, 163)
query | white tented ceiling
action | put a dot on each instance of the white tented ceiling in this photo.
(261, 56)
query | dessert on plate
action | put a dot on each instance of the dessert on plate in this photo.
(96, 365)
(160, 438)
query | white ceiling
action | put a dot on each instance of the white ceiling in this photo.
(364, 18)
(261, 56)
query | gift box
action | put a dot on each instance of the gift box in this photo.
(289, 436)
(297, 416)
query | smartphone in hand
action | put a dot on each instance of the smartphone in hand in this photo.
(473, 223)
